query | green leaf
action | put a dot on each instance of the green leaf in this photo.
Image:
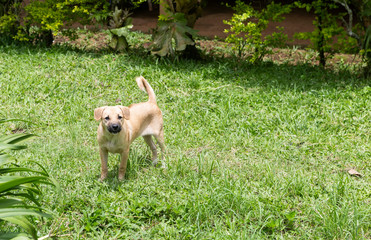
(162, 44)
(4, 159)
(119, 44)
(19, 169)
(15, 138)
(129, 22)
(290, 216)
(272, 224)
(13, 236)
(367, 40)
(6, 203)
(9, 184)
(15, 212)
(121, 32)
(24, 223)
(4, 146)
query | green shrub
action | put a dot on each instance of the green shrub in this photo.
(48, 17)
(19, 194)
(9, 17)
(247, 25)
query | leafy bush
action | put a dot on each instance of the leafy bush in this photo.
(247, 25)
(9, 17)
(19, 193)
(45, 18)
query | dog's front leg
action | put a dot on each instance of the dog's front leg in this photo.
(104, 159)
(124, 161)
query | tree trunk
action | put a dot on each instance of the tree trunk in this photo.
(47, 38)
(321, 42)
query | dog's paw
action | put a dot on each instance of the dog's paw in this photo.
(154, 162)
(101, 179)
(163, 166)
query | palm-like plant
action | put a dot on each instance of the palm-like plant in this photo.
(120, 24)
(19, 193)
(174, 32)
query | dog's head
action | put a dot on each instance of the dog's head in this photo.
(112, 117)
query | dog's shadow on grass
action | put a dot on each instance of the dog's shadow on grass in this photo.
(137, 162)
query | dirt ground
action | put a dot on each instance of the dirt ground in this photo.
(211, 24)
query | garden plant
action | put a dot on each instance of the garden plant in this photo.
(20, 194)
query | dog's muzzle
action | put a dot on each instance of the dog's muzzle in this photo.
(114, 128)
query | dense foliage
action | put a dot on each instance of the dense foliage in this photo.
(41, 19)
(328, 37)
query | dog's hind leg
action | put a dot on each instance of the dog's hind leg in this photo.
(160, 141)
(148, 139)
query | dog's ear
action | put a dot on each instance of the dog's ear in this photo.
(125, 111)
(98, 113)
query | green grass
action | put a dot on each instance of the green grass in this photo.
(254, 152)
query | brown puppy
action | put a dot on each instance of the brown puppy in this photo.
(120, 125)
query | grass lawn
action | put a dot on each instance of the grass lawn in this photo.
(254, 152)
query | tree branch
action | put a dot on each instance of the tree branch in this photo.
(349, 24)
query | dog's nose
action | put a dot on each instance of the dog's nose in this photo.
(114, 128)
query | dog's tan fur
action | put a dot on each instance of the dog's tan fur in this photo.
(120, 126)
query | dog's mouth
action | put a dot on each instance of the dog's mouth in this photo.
(114, 128)
(114, 131)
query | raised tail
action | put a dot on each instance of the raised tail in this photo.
(144, 86)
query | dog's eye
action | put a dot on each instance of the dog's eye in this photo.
(120, 117)
(107, 118)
